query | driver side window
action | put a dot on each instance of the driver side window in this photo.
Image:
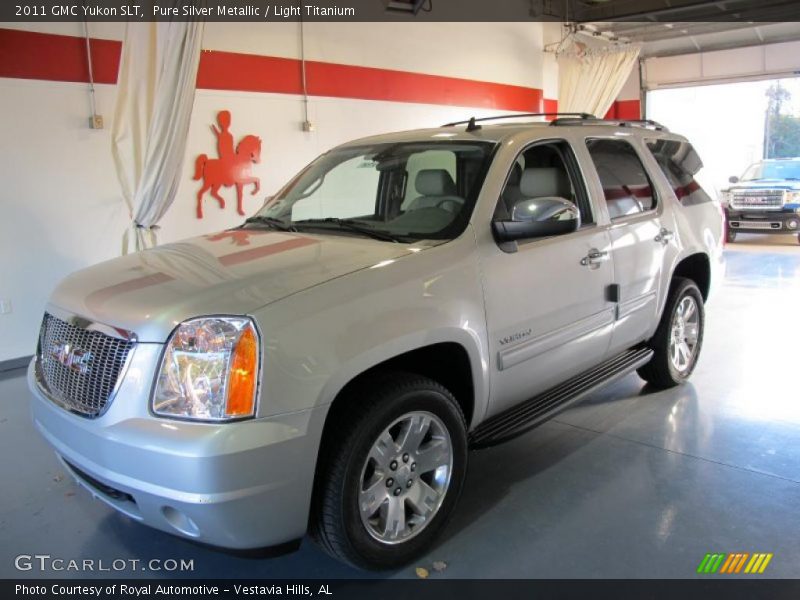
(544, 170)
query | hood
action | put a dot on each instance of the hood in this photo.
(232, 272)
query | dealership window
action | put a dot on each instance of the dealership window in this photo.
(680, 163)
(626, 185)
(545, 169)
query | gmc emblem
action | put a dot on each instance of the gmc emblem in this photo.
(74, 359)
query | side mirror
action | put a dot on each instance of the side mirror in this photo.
(538, 217)
(733, 179)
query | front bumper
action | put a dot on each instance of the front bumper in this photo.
(237, 485)
(763, 221)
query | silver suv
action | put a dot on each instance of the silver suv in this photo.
(326, 366)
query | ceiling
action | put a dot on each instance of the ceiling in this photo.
(670, 27)
(668, 39)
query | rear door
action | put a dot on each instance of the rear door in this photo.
(639, 237)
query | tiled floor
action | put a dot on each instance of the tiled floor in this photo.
(628, 483)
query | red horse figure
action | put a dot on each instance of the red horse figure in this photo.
(227, 171)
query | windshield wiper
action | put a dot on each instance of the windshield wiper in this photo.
(350, 225)
(278, 224)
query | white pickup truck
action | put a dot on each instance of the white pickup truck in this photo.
(326, 366)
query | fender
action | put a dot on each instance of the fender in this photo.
(469, 340)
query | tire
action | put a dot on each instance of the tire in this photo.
(730, 236)
(664, 371)
(798, 238)
(388, 404)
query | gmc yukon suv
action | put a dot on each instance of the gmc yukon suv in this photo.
(766, 199)
(326, 366)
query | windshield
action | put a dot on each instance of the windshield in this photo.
(784, 169)
(395, 192)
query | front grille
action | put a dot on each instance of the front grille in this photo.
(79, 368)
(757, 199)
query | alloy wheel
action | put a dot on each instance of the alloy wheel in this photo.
(405, 477)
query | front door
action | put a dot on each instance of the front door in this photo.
(547, 311)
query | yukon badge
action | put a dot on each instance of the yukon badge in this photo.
(74, 359)
(515, 337)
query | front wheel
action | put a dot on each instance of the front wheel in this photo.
(677, 342)
(392, 469)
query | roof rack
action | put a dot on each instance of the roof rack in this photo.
(646, 123)
(564, 118)
(471, 123)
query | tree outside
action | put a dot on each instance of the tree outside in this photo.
(781, 129)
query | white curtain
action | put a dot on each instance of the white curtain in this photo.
(155, 94)
(589, 81)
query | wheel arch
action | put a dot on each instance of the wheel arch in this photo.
(697, 267)
(460, 363)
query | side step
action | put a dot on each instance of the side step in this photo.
(524, 417)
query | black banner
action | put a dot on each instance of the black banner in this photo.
(403, 589)
(580, 11)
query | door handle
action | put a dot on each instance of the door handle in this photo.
(664, 236)
(595, 257)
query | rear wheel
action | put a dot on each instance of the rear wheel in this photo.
(679, 337)
(391, 473)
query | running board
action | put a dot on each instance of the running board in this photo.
(533, 412)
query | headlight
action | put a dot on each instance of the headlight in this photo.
(726, 197)
(792, 198)
(209, 370)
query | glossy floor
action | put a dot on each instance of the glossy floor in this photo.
(627, 484)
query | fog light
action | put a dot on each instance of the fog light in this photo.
(180, 521)
(792, 224)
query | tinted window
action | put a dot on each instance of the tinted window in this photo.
(680, 163)
(625, 182)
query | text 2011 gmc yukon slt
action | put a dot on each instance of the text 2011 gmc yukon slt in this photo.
(326, 366)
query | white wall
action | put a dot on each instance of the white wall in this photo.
(754, 62)
(60, 207)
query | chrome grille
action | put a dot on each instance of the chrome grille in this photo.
(757, 199)
(79, 368)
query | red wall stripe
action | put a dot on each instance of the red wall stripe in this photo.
(248, 73)
(30, 55)
(252, 73)
(625, 109)
(347, 81)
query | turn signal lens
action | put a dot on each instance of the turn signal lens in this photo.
(242, 376)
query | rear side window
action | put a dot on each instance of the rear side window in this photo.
(680, 163)
(626, 185)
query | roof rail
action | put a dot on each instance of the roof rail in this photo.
(646, 123)
(472, 120)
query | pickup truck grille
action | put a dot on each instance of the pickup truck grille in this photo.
(79, 368)
(757, 199)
